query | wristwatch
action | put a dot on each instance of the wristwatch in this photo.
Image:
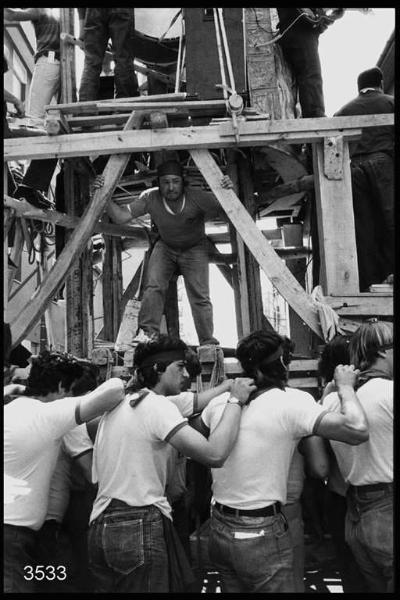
(233, 400)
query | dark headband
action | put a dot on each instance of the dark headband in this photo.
(170, 167)
(167, 356)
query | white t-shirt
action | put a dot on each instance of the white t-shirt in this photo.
(255, 473)
(32, 438)
(74, 443)
(371, 461)
(131, 453)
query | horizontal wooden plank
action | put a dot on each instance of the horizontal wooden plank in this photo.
(117, 142)
(366, 304)
(139, 103)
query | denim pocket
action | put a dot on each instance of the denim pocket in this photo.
(123, 545)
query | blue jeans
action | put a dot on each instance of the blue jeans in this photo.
(100, 25)
(294, 516)
(127, 550)
(257, 564)
(19, 552)
(192, 263)
(369, 533)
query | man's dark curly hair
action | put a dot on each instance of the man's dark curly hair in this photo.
(253, 352)
(336, 352)
(49, 369)
(149, 376)
(88, 381)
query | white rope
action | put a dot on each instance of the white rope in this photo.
(220, 55)
(226, 48)
(178, 62)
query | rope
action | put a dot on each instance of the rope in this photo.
(220, 56)
(227, 53)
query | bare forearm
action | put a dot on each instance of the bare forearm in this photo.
(203, 398)
(223, 438)
(351, 408)
(106, 397)
(118, 214)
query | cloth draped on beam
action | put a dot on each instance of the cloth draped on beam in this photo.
(328, 318)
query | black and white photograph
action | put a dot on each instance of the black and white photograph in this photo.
(198, 285)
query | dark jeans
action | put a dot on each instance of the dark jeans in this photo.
(369, 533)
(193, 265)
(19, 552)
(300, 49)
(335, 512)
(100, 25)
(127, 550)
(373, 202)
(252, 554)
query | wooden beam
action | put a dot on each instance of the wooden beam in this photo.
(22, 208)
(137, 103)
(258, 133)
(363, 304)
(265, 255)
(112, 172)
(337, 242)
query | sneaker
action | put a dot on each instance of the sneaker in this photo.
(141, 337)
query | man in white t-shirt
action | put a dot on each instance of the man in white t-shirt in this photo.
(250, 544)
(33, 427)
(132, 545)
(368, 468)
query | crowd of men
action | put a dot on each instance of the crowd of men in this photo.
(95, 478)
(256, 433)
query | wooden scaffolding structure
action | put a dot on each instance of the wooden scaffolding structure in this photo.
(146, 128)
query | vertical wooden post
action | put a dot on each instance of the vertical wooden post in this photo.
(333, 193)
(112, 288)
(79, 290)
(239, 279)
(6, 226)
(257, 318)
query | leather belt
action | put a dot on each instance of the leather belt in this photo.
(267, 511)
(56, 54)
(373, 486)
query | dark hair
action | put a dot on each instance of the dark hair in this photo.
(370, 78)
(336, 352)
(368, 340)
(49, 370)
(148, 376)
(253, 353)
(193, 365)
(88, 381)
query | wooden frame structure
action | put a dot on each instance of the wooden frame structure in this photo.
(332, 183)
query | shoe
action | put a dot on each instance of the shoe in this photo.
(34, 197)
(141, 337)
(210, 342)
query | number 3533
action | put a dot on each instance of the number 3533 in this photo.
(48, 572)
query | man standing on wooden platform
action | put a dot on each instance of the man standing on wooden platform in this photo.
(372, 171)
(179, 214)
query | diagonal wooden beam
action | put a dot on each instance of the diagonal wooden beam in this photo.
(24, 322)
(269, 261)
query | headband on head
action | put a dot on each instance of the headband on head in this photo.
(170, 167)
(167, 356)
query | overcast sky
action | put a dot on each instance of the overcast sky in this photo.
(349, 46)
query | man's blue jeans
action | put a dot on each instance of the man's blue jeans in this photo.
(369, 533)
(252, 554)
(19, 552)
(127, 550)
(100, 25)
(192, 264)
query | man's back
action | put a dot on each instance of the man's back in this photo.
(372, 461)
(373, 139)
(255, 473)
